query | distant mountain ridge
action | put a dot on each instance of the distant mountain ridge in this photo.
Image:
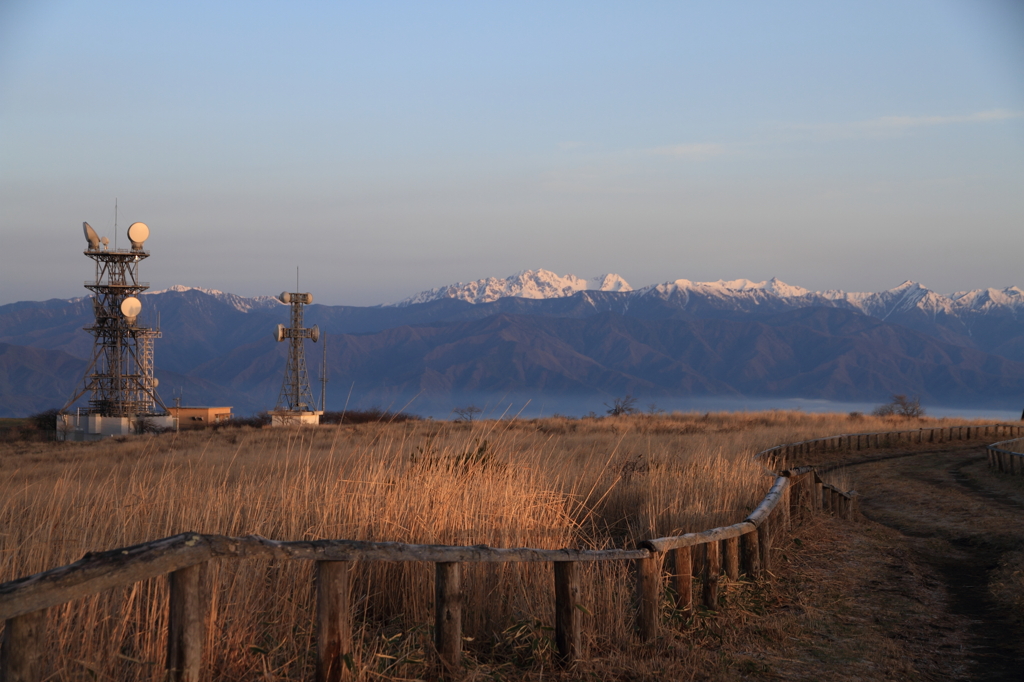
(726, 338)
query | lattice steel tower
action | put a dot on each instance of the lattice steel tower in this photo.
(120, 375)
(296, 395)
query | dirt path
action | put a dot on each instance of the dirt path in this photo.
(965, 526)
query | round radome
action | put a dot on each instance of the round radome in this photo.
(138, 232)
(131, 307)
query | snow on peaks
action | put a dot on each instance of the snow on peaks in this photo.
(729, 287)
(987, 299)
(525, 284)
(608, 282)
(240, 303)
(181, 288)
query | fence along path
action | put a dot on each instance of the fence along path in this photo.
(1002, 458)
(743, 547)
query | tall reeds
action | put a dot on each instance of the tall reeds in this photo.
(549, 483)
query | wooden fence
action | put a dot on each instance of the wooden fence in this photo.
(847, 442)
(1002, 458)
(743, 547)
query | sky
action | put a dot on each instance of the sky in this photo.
(390, 147)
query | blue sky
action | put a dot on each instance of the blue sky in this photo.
(388, 148)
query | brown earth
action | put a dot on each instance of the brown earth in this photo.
(928, 584)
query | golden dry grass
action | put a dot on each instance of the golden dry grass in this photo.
(547, 483)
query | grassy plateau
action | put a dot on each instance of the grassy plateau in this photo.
(551, 483)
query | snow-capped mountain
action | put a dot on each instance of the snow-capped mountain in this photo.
(526, 284)
(558, 334)
(242, 304)
(738, 295)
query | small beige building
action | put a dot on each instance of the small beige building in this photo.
(199, 416)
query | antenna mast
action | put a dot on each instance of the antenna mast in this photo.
(323, 378)
(295, 404)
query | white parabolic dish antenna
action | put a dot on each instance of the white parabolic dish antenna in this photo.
(279, 333)
(131, 307)
(91, 237)
(138, 233)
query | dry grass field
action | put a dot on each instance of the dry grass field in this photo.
(546, 483)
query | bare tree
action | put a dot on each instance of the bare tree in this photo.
(467, 413)
(622, 406)
(900, 406)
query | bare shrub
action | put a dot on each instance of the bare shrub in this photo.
(900, 406)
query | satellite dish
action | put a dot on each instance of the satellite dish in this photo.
(279, 333)
(316, 332)
(138, 233)
(156, 382)
(104, 241)
(91, 237)
(285, 297)
(309, 298)
(131, 307)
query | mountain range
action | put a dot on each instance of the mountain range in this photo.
(538, 333)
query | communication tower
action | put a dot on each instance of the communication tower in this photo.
(295, 404)
(119, 378)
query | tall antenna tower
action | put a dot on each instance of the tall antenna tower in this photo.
(323, 379)
(120, 377)
(295, 404)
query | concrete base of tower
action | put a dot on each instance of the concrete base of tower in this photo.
(88, 427)
(294, 418)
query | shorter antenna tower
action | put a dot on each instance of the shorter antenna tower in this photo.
(296, 404)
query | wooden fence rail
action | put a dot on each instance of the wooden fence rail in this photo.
(1002, 458)
(743, 547)
(874, 440)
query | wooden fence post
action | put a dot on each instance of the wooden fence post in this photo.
(764, 545)
(783, 510)
(796, 488)
(334, 661)
(712, 569)
(22, 648)
(568, 620)
(188, 616)
(648, 585)
(816, 495)
(750, 554)
(731, 550)
(682, 577)
(448, 613)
